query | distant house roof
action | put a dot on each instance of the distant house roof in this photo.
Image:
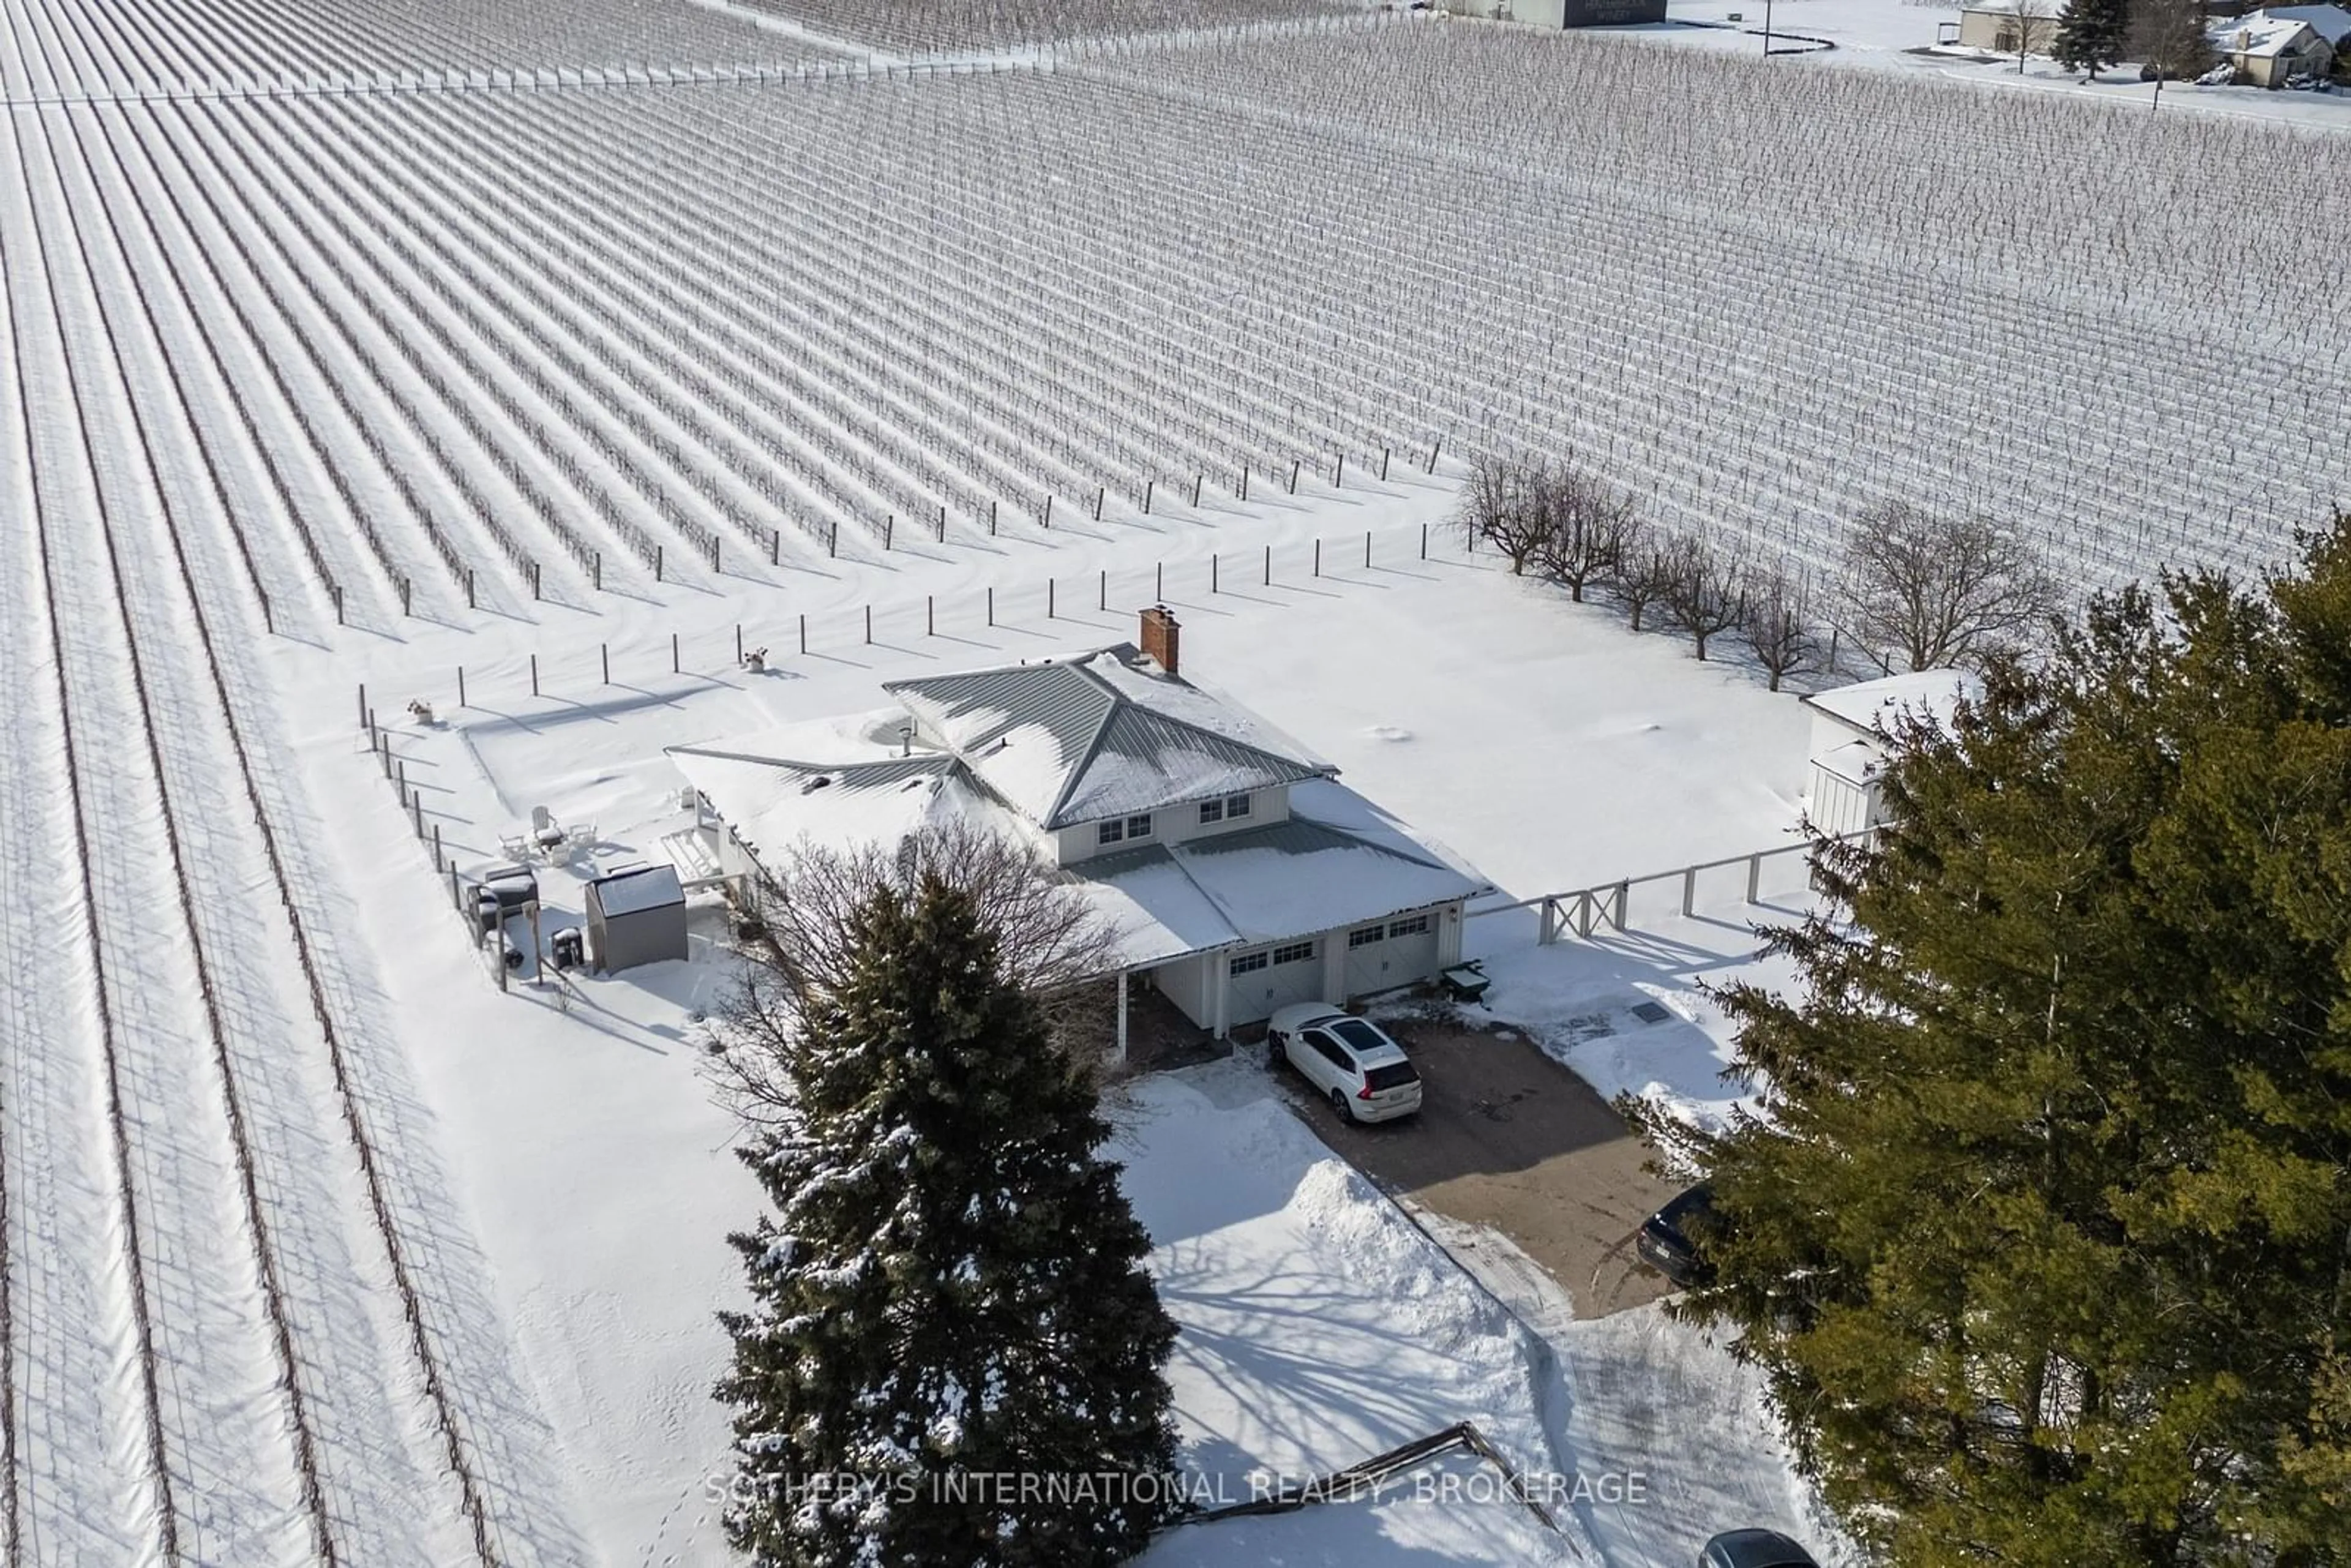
(636, 891)
(1868, 707)
(2261, 35)
(2332, 22)
(1104, 735)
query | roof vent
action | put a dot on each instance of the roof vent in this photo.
(815, 784)
(1162, 640)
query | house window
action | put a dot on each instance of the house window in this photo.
(1416, 926)
(1109, 832)
(1365, 936)
(1246, 963)
(1236, 807)
(1139, 827)
(1294, 953)
(1211, 811)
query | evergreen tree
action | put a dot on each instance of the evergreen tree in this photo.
(2046, 1248)
(952, 1287)
(2090, 35)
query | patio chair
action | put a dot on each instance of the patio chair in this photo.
(579, 843)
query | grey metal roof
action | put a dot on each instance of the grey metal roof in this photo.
(1299, 836)
(637, 890)
(1111, 751)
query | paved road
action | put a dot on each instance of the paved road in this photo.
(1509, 1140)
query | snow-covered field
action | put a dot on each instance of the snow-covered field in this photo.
(552, 343)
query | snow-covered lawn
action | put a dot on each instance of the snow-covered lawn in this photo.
(1542, 741)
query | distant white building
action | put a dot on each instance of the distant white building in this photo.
(2271, 47)
(1239, 875)
(1850, 725)
(1561, 13)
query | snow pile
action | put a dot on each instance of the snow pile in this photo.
(1319, 1328)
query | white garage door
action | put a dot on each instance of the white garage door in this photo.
(1261, 984)
(1391, 953)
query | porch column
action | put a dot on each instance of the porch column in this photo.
(1118, 1056)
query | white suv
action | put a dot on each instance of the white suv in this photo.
(1365, 1074)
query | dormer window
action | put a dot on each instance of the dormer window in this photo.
(1120, 830)
(1232, 807)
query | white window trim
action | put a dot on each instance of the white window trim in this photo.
(1110, 832)
(1236, 806)
(1138, 826)
(1211, 811)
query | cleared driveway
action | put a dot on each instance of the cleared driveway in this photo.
(1508, 1139)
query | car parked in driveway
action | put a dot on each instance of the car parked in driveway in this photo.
(1665, 1243)
(1350, 1061)
(1754, 1549)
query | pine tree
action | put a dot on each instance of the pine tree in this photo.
(2090, 35)
(2046, 1246)
(952, 1287)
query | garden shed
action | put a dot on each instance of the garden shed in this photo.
(636, 917)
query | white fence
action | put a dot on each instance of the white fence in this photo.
(1587, 909)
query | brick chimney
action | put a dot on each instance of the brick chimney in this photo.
(1161, 637)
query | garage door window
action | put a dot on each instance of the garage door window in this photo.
(1364, 936)
(1295, 953)
(1248, 964)
(1416, 926)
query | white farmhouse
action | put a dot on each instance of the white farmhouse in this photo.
(1239, 875)
(1850, 725)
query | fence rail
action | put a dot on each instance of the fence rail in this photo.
(1586, 909)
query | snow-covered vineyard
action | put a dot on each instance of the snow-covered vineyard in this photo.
(340, 326)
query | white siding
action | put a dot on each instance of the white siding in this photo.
(1175, 825)
(1839, 806)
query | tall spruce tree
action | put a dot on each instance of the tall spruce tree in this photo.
(2046, 1246)
(951, 1288)
(2090, 35)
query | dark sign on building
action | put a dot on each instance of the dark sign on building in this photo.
(1612, 12)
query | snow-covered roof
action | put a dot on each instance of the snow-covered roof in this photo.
(1869, 707)
(1337, 861)
(1857, 762)
(2263, 33)
(775, 802)
(2332, 22)
(1103, 735)
(636, 891)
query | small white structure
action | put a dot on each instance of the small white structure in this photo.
(1850, 727)
(1240, 876)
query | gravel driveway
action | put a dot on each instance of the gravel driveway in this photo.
(1511, 1140)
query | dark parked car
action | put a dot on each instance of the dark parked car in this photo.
(1754, 1549)
(1664, 1242)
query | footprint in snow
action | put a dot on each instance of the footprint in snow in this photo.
(1388, 732)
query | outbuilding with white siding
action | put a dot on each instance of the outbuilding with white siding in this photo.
(1851, 731)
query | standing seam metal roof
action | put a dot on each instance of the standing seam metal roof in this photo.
(1117, 755)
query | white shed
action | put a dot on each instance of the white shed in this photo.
(1850, 725)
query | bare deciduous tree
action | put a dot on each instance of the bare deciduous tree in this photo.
(1646, 569)
(1056, 946)
(1705, 589)
(1779, 625)
(1588, 523)
(1939, 591)
(2172, 37)
(1500, 505)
